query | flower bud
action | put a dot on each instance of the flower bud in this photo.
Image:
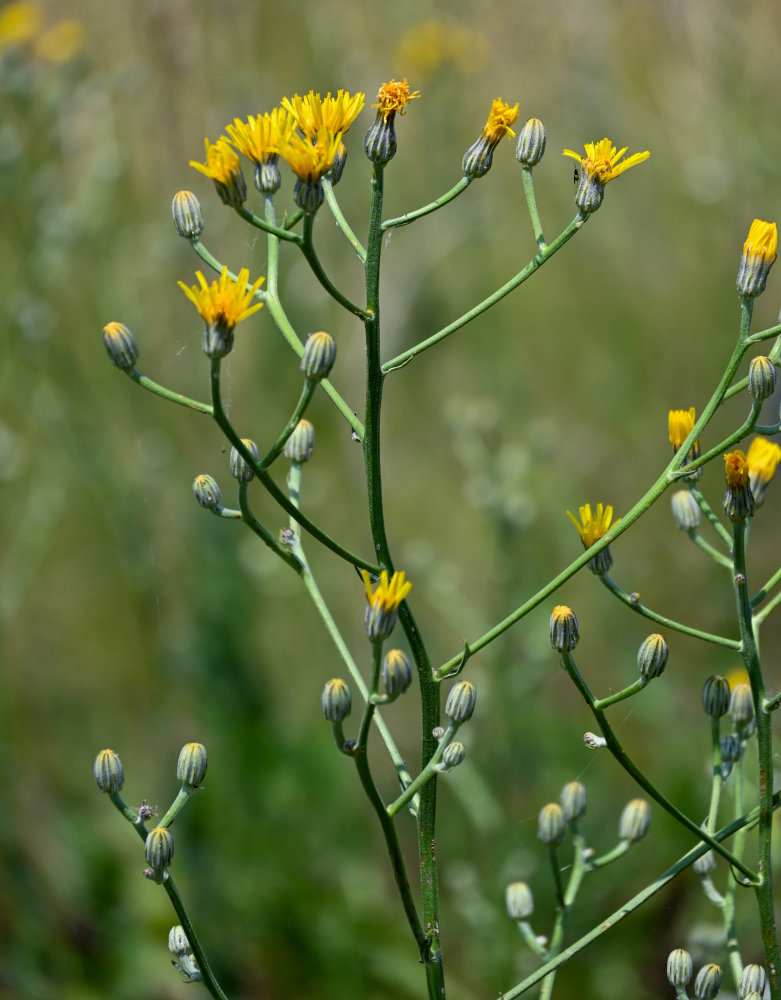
(573, 801)
(652, 656)
(752, 980)
(564, 632)
(396, 672)
(761, 378)
(159, 849)
(186, 211)
(759, 252)
(551, 826)
(705, 865)
(679, 967)
(191, 768)
(239, 468)
(308, 194)
(635, 820)
(729, 751)
(531, 143)
(300, 445)
(336, 169)
(120, 346)
(268, 179)
(319, 356)
(207, 492)
(519, 899)
(708, 982)
(741, 710)
(453, 755)
(593, 741)
(461, 702)
(336, 700)
(380, 142)
(738, 500)
(686, 510)
(177, 941)
(715, 696)
(109, 773)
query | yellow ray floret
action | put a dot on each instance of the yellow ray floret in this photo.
(592, 527)
(314, 113)
(308, 160)
(260, 137)
(762, 457)
(736, 469)
(225, 301)
(680, 424)
(388, 594)
(222, 163)
(394, 96)
(601, 161)
(762, 240)
(499, 121)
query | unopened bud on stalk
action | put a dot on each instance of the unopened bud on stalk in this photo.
(686, 510)
(177, 941)
(759, 252)
(738, 500)
(240, 470)
(396, 672)
(520, 902)
(729, 751)
(207, 492)
(530, 147)
(453, 755)
(652, 656)
(186, 210)
(741, 710)
(319, 356)
(635, 820)
(705, 865)
(461, 702)
(679, 967)
(336, 700)
(715, 696)
(301, 443)
(109, 773)
(752, 980)
(336, 169)
(120, 345)
(564, 632)
(573, 801)
(593, 741)
(191, 768)
(159, 849)
(761, 378)
(708, 982)
(551, 825)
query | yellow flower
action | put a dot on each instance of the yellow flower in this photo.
(308, 160)
(759, 252)
(762, 458)
(223, 305)
(600, 165)
(591, 528)
(223, 166)
(499, 121)
(393, 97)
(384, 602)
(681, 424)
(736, 469)
(261, 137)
(479, 157)
(314, 113)
(19, 22)
(738, 500)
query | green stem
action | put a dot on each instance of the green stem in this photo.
(712, 519)
(762, 594)
(177, 805)
(341, 222)
(627, 692)
(533, 265)
(267, 227)
(531, 201)
(173, 397)
(632, 602)
(276, 449)
(426, 774)
(263, 533)
(745, 428)
(563, 910)
(418, 213)
(637, 775)
(709, 549)
(313, 260)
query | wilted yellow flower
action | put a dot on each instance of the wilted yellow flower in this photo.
(736, 468)
(592, 527)
(393, 97)
(738, 500)
(314, 113)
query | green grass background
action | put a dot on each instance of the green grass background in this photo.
(133, 619)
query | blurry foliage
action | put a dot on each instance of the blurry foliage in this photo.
(133, 620)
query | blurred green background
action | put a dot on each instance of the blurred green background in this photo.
(133, 619)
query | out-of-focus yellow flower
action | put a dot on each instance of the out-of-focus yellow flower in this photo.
(314, 113)
(435, 42)
(393, 97)
(61, 42)
(19, 23)
(592, 527)
(680, 424)
(762, 459)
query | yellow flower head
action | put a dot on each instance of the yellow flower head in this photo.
(762, 457)
(223, 166)
(592, 527)
(759, 252)
(736, 469)
(762, 240)
(19, 23)
(384, 601)
(314, 113)
(601, 161)
(681, 424)
(393, 97)
(261, 137)
(225, 302)
(499, 121)
(308, 160)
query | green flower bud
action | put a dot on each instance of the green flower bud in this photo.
(715, 696)
(551, 826)
(109, 773)
(396, 672)
(461, 702)
(564, 632)
(635, 820)
(120, 346)
(761, 378)
(186, 211)
(752, 980)
(754, 995)
(336, 700)
(708, 982)
(300, 445)
(207, 492)
(191, 768)
(453, 756)
(729, 751)
(520, 902)
(686, 510)
(319, 355)
(308, 194)
(705, 865)
(652, 656)
(573, 801)
(239, 468)
(531, 143)
(268, 179)
(679, 967)
(741, 710)
(177, 941)
(380, 142)
(159, 849)
(335, 171)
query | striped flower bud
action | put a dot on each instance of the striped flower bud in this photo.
(461, 702)
(453, 755)
(319, 355)
(186, 210)
(301, 443)
(708, 982)
(679, 967)
(519, 900)
(652, 656)
(741, 710)
(716, 696)
(335, 700)
(120, 346)
(240, 470)
(759, 252)
(761, 378)
(635, 820)
(551, 825)
(159, 849)
(396, 672)
(109, 773)
(191, 767)
(752, 980)
(564, 632)
(686, 510)
(573, 801)
(530, 147)
(207, 492)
